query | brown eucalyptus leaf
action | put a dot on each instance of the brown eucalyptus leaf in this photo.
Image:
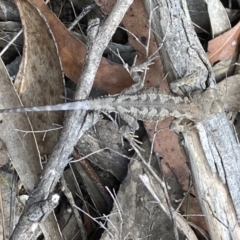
(110, 77)
(224, 46)
(20, 147)
(166, 144)
(40, 78)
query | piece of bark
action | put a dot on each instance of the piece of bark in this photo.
(136, 213)
(95, 141)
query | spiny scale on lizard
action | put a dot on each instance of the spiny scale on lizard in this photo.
(147, 105)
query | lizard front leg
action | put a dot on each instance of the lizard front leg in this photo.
(186, 84)
(134, 73)
(197, 76)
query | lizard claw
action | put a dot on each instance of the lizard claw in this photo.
(133, 141)
(131, 138)
(180, 125)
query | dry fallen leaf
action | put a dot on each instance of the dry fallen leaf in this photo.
(230, 88)
(218, 17)
(40, 78)
(111, 77)
(20, 148)
(224, 46)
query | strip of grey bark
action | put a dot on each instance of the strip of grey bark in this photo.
(223, 154)
(181, 50)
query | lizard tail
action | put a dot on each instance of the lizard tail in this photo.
(78, 105)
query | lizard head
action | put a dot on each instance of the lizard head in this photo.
(209, 102)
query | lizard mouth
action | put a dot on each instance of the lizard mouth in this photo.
(217, 106)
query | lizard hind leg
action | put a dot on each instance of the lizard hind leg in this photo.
(131, 138)
(127, 131)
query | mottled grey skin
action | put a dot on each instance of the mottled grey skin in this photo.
(209, 103)
(146, 105)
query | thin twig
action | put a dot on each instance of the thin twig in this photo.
(10, 43)
(81, 15)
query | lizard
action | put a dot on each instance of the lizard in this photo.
(146, 105)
